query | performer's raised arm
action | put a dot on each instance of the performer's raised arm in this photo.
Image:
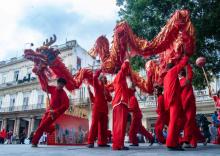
(125, 70)
(181, 64)
(96, 77)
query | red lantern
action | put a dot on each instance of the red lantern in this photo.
(200, 62)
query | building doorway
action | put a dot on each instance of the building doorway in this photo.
(23, 129)
(36, 124)
(0, 125)
(10, 125)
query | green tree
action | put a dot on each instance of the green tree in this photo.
(147, 17)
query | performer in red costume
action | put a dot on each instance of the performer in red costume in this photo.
(99, 123)
(59, 103)
(215, 119)
(136, 124)
(189, 109)
(172, 99)
(163, 116)
(120, 107)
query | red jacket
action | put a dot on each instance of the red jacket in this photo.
(133, 105)
(160, 105)
(171, 83)
(59, 100)
(120, 86)
(102, 95)
(187, 94)
(3, 134)
(217, 101)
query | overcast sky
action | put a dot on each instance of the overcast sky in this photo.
(25, 21)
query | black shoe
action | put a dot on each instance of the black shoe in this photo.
(34, 145)
(90, 145)
(134, 145)
(151, 143)
(187, 145)
(125, 148)
(179, 148)
(206, 142)
(106, 145)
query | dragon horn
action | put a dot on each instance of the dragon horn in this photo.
(51, 41)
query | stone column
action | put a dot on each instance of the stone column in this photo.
(4, 123)
(29, 128)
(148, 125)
(17, 126)
(31, 125)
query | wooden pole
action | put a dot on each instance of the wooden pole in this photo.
(206, 78)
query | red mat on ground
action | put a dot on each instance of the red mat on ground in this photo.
(69, 130)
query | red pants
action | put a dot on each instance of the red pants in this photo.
(190, 123)
(120, 114)
(99, 126)
(162, 120)
(197, 137)
(46, 125)
(218, 136)
(136, 126)
(174, 124)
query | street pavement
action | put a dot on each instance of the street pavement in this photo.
(142, 150)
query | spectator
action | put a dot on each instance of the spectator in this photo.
(213, 132)
(31, 136)
(215, 120)
(3, 135)
(9, 137)
(165, 132)
(44, 138)
(204, 126)
(22, 137)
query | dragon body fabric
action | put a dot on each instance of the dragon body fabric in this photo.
(176, 36)
(47, 61)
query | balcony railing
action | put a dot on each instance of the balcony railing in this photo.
(80, 101)
(147, 102)
(202, 97)
(22, 108)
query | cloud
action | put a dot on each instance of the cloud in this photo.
(27, 21)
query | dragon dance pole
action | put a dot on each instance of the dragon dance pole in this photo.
(200, 62)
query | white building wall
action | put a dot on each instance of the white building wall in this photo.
(19, 99)
(10, 77)
(6, 101)
(0, 78)
(33, 97)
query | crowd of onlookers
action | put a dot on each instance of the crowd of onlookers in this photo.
(208, 129)
(7, 137)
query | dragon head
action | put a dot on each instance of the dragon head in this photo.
(43, 55)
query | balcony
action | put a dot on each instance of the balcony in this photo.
(18, 83)
(80, 101)
(202, 98)
(22, 108)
